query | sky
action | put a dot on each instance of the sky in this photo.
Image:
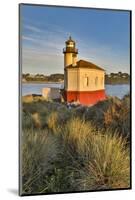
(101, 36)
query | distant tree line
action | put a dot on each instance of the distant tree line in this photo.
(117, 78)
(112, 78)
(43, 78)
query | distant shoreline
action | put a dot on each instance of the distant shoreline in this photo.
(41, 82)
(46, 82)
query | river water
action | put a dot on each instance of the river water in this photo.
(111, 90)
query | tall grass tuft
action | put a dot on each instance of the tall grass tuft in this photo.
(76, 134)
(36, 120)
(39, 151)
(52, 121)
(102, 158)
(109, 163)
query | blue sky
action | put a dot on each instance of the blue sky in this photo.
(102, 37)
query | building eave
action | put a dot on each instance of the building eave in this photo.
(81, 64)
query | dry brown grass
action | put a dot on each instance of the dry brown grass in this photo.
(36, 119)
(32, 98)
(75, 134)
(52, 122)
(27, 99)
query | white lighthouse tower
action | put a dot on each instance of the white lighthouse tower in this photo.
(70, 53)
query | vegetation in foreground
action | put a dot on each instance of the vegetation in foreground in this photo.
(83, 148)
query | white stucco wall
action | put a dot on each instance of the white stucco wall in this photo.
(83, 79)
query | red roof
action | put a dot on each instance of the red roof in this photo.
(85, 64)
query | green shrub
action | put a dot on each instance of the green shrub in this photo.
(113, 114)
(124, 120)
(96, 112)
(27, 121)
(64, 114)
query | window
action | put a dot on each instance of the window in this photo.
(86, 81)
(96, 80)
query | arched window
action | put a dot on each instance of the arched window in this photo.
(86, 81)
(96, 80)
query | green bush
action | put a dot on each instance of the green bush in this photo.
(27, 121)
(113, 114)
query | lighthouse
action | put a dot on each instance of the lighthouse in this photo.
(70, 53)
(83, 80)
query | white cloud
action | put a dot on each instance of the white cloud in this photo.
(31, 39)
(33, 28)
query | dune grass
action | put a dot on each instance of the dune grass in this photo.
(105, 156)
(46, 164)
(75, 134)
(108, 166)
(78, 149)
(37, 158)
